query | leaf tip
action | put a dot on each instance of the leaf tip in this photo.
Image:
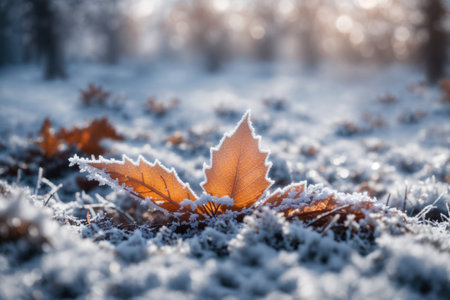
(247, 115)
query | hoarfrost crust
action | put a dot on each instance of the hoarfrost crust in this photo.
(226, 258)
(205, 199)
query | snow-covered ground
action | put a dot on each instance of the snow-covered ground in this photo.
(373, 129)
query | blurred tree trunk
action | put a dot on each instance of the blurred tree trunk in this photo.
(308, 36)
(309, 47)
(209, 37)
(46, 32)
(111, 23)
(267, 45)
(107, 18)
(4, 53)
(6, 9)
(113, 45)
(435, 49)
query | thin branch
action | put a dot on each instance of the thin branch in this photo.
(328, 213)
(48, 199)
(405, 198)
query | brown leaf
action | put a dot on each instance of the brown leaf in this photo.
(312, 209)
(445, 86)
(316, 211)
(320, 211)
(88, 139)
(161, 108)
(94, 95)
(238, 167)
(145, 180)
(291, 191)
(49, 143)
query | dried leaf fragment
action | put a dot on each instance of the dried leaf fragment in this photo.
(94, 95)
(319, 212)
(238, 167)
(445, 86)
(160, 108)
(86, 139)
(49, 142)
(291, 191)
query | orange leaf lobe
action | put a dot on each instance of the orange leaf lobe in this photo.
(145, 180)
(238, 167)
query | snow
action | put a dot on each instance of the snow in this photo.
(401, 162)
(263, 257)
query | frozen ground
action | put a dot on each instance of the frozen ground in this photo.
(353, 129)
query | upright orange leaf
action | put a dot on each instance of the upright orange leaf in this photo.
(142, 179)
(238, 167)
(49, 143)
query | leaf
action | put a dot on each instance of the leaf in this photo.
(312, 208)
(445, 86)
(316, 210)
(143, 180)
(322, 212)
(161, 108)
(291, 191)
(88, 139)
(236, 178)
(49, 143)
(94, 95)
(238, 168)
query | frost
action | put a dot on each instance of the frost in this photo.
(416, 196)
(264, 256)
(205, 199)
(49, 251)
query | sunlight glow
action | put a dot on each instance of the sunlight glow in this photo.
(142, 8)
(344, 23)
(402, 34)
(221, 5)
(257, 32)
(285, 7)
(367, 4)
(356, 35)
(236, 22)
